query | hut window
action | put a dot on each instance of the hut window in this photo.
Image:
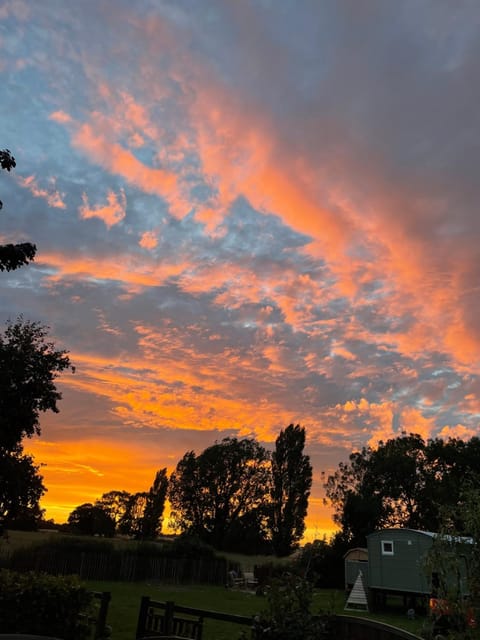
(387, 548)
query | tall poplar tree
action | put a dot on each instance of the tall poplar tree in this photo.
(291, 484)
(155, 505)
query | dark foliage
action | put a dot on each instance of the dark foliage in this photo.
(404, 482)
(130, 524)
(115, 503)
(288, 614)
(21, 488)
(211, 492)
(13, 256)
(29, 365)
(45, 605)
(291, 484)
(89, 519)
(151, 522)
(322, 562)
(189, 546)
(7, 161)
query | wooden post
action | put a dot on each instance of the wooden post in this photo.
(169, 611)
(142, 616)
(101, 625)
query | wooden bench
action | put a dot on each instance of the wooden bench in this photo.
(158, 619)
(101, 631)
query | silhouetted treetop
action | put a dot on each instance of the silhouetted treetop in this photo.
(13, 256)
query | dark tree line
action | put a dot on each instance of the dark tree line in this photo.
(404, 482)
(234, 495)
(138, 515)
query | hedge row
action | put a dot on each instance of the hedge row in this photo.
(45, 605)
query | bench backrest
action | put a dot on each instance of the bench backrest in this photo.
(155, 621)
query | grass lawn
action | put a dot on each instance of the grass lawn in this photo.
(125, 604)
(126, 596)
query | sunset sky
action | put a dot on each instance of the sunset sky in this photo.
(248, 213)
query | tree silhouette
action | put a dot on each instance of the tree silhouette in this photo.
(21, 488)
(29, 365)
(13, 256)
(404, 482)
(209, 493)
(291, 483)
(151, 524)
(90, 519)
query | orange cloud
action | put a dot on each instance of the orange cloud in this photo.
(458, 431)
(53, 197)
(111, 213)
(149, 240)
(61, 117)
(243, 152)
(121, 162)
(134, 272)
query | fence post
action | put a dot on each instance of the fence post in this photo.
(142, 616)
(101, 625)
(169, 611)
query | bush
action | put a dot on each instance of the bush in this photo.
(45, 605)
(270, 571)
(322, 563)
(190, 546)
(78, 544)
(288, 615)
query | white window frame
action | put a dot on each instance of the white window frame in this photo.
(387, 552)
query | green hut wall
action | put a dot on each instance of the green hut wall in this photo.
(396, 560)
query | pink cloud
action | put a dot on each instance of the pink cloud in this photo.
(60, 117)
(242, 152)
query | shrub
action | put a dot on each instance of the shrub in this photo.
(46, 605)
(288, 615)
(78, 544)
(268, 571)
(190, 546)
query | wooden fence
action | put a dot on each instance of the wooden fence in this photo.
(122, 566)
